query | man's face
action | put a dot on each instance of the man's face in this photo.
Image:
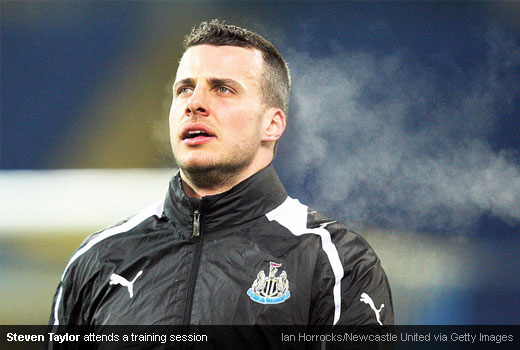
(217, 116)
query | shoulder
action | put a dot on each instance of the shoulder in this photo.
(353, 250)
(91, 248)
(341, 234)
(338, 241)
(300, 219)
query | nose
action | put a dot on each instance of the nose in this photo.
(197, 103)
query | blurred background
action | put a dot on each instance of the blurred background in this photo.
(404, 124)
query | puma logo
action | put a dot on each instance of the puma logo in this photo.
(368, 300)
(116, 279)
(325, 224)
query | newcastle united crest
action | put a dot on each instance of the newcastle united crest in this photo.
(270, 289)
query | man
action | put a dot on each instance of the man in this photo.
(227, 246)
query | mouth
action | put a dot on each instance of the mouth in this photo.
(196, 135)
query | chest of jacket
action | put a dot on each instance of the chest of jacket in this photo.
(256, 273)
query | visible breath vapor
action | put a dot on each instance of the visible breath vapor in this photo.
(384, 140)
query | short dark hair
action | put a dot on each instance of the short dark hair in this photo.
(277, 79)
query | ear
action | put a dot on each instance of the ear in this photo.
(275, 124)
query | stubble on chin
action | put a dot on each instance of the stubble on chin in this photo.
(213, 175)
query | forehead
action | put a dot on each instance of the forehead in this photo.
(221, 62)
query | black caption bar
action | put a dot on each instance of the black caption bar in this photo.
(259, 337)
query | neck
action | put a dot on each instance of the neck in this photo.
(214, 181)
(199, 186)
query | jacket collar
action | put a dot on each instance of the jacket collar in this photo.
(248, 200)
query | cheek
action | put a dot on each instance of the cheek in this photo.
(173, 117)
(173, 110)
(242, 124)
(171, 122)
(250, 128)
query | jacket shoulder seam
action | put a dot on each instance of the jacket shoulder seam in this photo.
(119, 228)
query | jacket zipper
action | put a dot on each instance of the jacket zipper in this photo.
(196, 223)
(195, 267)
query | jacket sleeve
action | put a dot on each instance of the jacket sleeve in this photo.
(72, 300)
(351, 285)
(67, 306)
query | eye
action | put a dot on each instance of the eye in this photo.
(224, 90)
(184, 90)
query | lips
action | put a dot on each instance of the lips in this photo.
(196, 134)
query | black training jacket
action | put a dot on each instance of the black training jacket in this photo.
(249, 256)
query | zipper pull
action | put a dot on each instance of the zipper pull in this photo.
(196, 223)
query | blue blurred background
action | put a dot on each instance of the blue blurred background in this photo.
(404, 123)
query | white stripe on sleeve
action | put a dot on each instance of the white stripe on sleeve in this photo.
(293, 215)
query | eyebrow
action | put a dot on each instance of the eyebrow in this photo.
(218, 81)
(185, 81)
(212, 81)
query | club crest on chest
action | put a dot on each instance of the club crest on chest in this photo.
(270, 289)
